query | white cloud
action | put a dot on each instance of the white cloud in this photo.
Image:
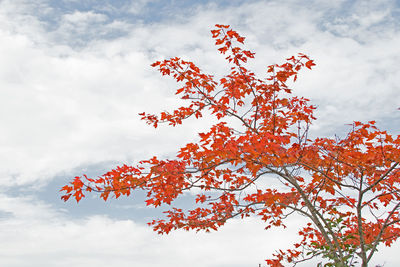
(137, 7)
(71, 108)
(79, 18)
(43, 237)
(26, 208)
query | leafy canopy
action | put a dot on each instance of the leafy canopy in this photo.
(347, 189)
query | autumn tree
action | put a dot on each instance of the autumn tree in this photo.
(258, 160)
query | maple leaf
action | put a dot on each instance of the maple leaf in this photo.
(309, 64)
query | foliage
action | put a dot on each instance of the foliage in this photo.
(347, 189)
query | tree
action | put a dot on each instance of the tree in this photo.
(266, 165)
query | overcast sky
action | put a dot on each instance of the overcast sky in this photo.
(74, 74)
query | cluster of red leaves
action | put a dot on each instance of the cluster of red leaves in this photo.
(338, 184)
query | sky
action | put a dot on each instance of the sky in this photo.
(75, 74)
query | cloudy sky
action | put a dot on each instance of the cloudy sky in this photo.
(74, 74)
